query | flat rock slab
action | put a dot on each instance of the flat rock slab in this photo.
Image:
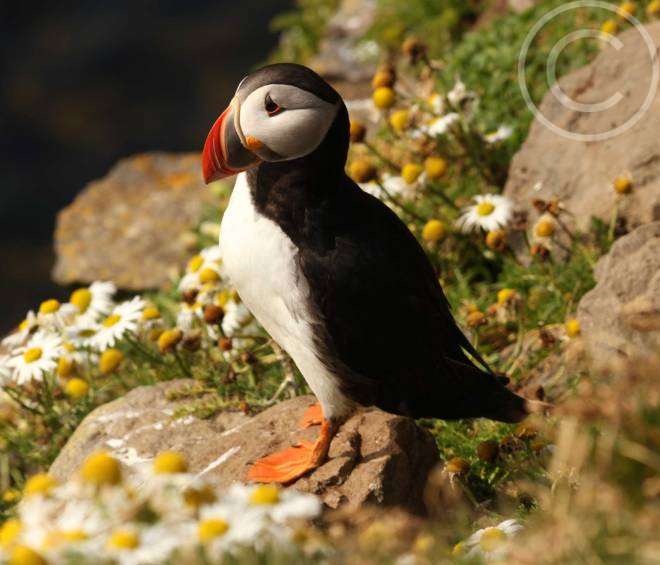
(620, 316)
(375, 458)
(129, 226)
(580, 174)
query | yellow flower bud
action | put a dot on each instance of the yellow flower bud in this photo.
(504, 295)
(496, 240)
(435, 167)
(399, 120)
(170, 462)
(410, 172)
(76, 388)
(208, 276)
(626, 9)
(101, 469)
(384, 97)
(362, 170)
(609, 27)
(383, 78)
(151, 313)
(9, 532)
(653, 9)
(169, 339)
(434, 230)
(195, 264)
(572, 328)
(622, 185)
(545, 227)
(110, 360)
(357, 131)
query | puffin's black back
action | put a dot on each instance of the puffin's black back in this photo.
(383, 322)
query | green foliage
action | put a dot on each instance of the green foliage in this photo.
(301, 29)
(439, 23)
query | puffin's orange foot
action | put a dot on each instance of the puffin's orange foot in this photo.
(292, 463)
(313, 416)
(285, 466)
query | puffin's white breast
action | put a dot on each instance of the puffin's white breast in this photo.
(260, 261)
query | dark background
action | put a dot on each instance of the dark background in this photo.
(85, 83)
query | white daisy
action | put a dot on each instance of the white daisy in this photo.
(441, 125)
(40, 355)
(490, 212)
(94, 301)
(500, 134)
(26, 328)
(5, 369)
(492, 543)
(459, 93)
(237, 316)
(123, 319)
(437, 103)
(279, 505)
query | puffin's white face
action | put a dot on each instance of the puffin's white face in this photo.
(279, 113)
(279, 122)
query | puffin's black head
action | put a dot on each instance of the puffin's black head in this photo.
(280, 113)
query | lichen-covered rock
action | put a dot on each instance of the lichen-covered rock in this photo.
(581, 174)
(620, 316)
(130, 226)
(375, 458)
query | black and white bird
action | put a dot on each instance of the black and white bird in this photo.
(333, 274)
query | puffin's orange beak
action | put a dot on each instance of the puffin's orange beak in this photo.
(224, 154)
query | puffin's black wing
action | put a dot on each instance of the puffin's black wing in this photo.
(385, 323)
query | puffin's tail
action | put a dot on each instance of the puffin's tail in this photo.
(469, 392)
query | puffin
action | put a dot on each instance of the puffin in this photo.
(332, 274)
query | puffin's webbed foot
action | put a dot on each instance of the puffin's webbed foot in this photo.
(292, 463)
(313, 416)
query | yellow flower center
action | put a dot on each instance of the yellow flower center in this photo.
(491, 539)
(208, 275)
(81, 299)
(195, 264)
(9, 532)
(101, 469)
(24, 325)
(264, 495)
(399, 120)
(49, 307)
(76, 388)
(196, 497)
(110, 360)
(212, 528)
(64, 367)
(111, 320)
(223, 298)
(24, 555)
(485, 208)
(622, 185)
(58, 537)
(545, 228)
(41, 483)
(435, 167)
(170, 462)
(33, 354)
(151, 313)
(123, 539)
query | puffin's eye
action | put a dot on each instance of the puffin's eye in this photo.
(272, 108)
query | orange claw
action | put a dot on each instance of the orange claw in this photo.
(313, 416)
(292, 463)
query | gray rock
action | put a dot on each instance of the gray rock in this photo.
(375, 458)
(130, 226)
(620, 316)
(580, 174)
